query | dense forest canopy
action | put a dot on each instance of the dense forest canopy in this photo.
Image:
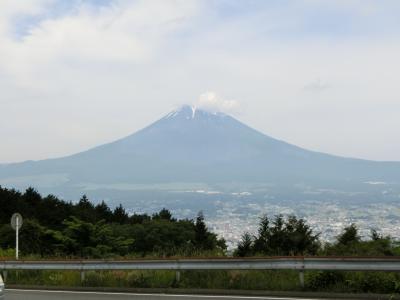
(53, 227)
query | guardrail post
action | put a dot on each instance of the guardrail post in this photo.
(301, 278)
(5, 275)
(82, 276)
(178, 276)
(301, 273)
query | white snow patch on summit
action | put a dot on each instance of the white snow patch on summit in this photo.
(190, 112)
(171, 114)
(193, 111)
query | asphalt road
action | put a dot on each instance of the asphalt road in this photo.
(60, 295)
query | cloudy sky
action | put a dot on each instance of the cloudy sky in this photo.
(322, 74)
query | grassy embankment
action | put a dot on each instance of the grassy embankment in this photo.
(346, 282)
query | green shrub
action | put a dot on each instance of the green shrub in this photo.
(323, 280)
(7, 253)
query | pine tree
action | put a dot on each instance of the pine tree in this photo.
(201, 232)
(245, 246)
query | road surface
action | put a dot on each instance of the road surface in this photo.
(60, 295)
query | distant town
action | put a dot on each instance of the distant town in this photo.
(232, 218)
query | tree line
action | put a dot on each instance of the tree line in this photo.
(53, 227)
(57, 228)
(292, 236)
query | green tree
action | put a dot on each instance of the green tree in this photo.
(245, 246)
(204, 240)
(349, 235)
(261, 242)
(37, 239)
(103, 212)
(120, 215)
(32, 197)
(164, 214)
(299, 238)
(85, 209)
(201, 238)
(349, 243)
(290, 236)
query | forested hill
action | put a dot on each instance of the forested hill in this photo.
(53, 227)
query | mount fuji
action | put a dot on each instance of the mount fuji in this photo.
(192, 148)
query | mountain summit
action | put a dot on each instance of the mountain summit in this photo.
(197, 146)
(190, 112)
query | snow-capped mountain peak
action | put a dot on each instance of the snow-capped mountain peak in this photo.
(190, 112)
(194, 145)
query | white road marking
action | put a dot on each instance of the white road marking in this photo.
(159, 295)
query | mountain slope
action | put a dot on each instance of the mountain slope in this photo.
(190, 145)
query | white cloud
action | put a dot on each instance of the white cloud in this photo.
(210, 101)
(10, 9)
(316, 85)
(90, 76)
(116, 34)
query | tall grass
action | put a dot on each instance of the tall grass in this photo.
(272, 280)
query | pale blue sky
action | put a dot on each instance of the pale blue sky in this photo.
(292, 19)
(322, 74)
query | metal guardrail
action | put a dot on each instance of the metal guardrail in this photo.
(281, 263)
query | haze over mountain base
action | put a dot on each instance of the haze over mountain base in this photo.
(193, 160)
